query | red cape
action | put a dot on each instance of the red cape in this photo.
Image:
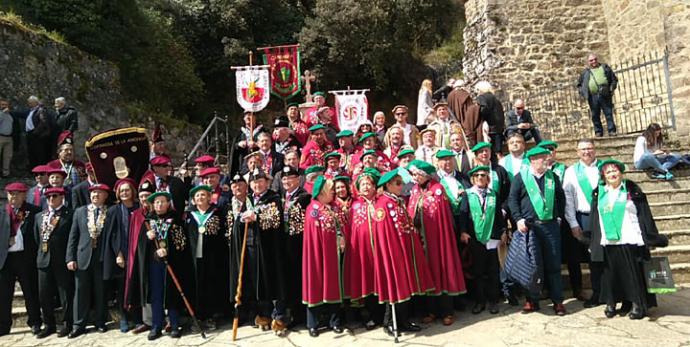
(359, 262)
(301, 131)
(136, 222)
(322, 280)
(313, 154)
(441, 247)
(400, 268)
(383, 162)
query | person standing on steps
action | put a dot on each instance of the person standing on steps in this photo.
(597, 84)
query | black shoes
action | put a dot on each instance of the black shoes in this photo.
(493, 308)
(35, 329)
(313, 332)
(478, 308)
(154, 334)
(610, 311)
(337, 329)
(76, 332)
(409, 327)
(512, 300)
(625, 308)
(176, 333)
(388, 329)
(370, 325)
(636, 313)
(64, 331)
(49, 330)
(591, 303)
(101, 329)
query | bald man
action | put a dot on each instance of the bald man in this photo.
(520, 120)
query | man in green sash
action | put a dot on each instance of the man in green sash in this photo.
(499, 178)
(537, 203)
(515, 161)
(481, 226)
(452, 180)
(551, 162)
(578, 183)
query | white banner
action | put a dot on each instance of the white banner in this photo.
(352, 108)
(253, 87)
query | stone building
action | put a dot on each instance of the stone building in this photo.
(524, 45)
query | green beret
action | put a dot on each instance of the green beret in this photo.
(369, 172)
(345, 133)
(405, 152)
(153, 196)
(365, 136)
(345, 179)
(387, 177)
(479, 168)
(480, 145)
(318, 185)
(604, 162)
(314, 168)
(198, 188)
(295, 104)
(548, 143)
(535, 151)
(319, 94)
(444, 153)
(333, 154)
(422, 165)
(367, 152)
(316, 127)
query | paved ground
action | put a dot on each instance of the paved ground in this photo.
(669, 325)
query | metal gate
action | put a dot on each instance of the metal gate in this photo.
(643, 96)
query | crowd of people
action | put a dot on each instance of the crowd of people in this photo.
(389, 226)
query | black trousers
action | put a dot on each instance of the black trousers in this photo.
(485, 270)
(439, 305)
(19, 266)
(402, 314)
(89, 284)
(596, 270)
(48, 280)
(40, 149)
(334, 312)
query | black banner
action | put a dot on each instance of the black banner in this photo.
(118, 153)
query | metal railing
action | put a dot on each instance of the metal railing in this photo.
(217, 140)
(643, 96)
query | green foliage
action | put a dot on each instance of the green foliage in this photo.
(16, 20)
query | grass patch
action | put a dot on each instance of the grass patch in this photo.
(15, 20)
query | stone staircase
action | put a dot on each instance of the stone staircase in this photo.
(668, 200)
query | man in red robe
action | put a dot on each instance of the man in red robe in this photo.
(432, 216)
(314, 151)
(400, 268)
(323, 249)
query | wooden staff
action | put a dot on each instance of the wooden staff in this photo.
(238, 294)
(178, 286)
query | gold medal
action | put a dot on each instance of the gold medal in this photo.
(202, 230)
(162, 244)
(44, 246)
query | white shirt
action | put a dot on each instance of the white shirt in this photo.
(29, 119)
(407, 133)
(18, 241)
(425, 153)
(631, 234)
(516, 163)
(575, 200)
(641, 148)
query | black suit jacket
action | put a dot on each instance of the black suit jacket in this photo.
(26, 229)
(179, 192)
(79, 243)
(521, 206)
(513, 119)
(57, 244)
(80, 195)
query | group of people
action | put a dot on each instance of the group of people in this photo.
(390, 224)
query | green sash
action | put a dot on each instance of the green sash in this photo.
(483, 220)
(201, 219)
(543, 205)
(453, 191)
(509, 166)
(495, 183)
(583, 180)
(559, 170)
(611, 211)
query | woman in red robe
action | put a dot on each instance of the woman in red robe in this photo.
(359, 263)
(323, 246)
(400, 268)
(432, 216)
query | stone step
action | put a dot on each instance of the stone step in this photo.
(652, 184)
(669, 208)
(677, 237)
(676, 254)
(600, 142)
(681, 273)
(680, 194)
(672, 222)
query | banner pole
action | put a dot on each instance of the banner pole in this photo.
(251, 125)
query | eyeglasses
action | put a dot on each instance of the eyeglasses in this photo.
(401, 113)
(520, 108)
(480, 175)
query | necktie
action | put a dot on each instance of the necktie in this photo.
(482, 193)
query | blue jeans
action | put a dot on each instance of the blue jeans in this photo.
(549, 239)
(597, 104)
(157, 283)
(661, 163)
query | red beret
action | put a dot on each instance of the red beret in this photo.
(65, 137)
(54, 190)
(56, 171)
(210, 171)
(205, 159)
(16, 187)
(161, 160)
(123, 181)
(40, 169)
(100, 186)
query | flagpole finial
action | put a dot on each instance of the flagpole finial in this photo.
(251, 58)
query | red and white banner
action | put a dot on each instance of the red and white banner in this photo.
(351, 108)
(253, 87)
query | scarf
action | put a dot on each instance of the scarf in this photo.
(612, 210)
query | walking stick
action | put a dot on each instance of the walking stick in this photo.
(238, 294)
(395, 323)
(179, 288)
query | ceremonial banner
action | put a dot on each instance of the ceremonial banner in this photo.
(118, 153)
(283, 62)
(351, 108)
(252, 87)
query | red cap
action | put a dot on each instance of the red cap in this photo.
(56, 171)
(123, 181)
(100, 186)
(147, 181)
(205, 159)
(210, 171)
(65, 137)
(16, 187)
(161, 160)
(40, 169)
(54, 190)
(88, 166)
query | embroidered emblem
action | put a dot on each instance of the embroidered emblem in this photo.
(439, 192)
(380, 214)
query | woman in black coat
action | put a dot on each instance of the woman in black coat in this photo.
(622, 232)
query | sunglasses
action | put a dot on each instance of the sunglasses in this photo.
(520, 108)
(480, 175)
(401, 113)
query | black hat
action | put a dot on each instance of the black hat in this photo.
(290, 171)
(257, 174)
(281, 122)
(237, 179)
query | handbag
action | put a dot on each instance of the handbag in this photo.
(523, 262)
(658, 276)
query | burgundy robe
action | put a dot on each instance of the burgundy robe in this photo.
(136, 222)
(359, 263)
(438, 236)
